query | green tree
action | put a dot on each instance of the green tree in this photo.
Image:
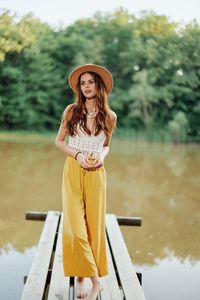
(155, 64)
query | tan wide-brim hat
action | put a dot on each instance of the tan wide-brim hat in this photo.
(103, 72)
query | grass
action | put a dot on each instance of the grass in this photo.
(157, 135)
(27, 136)
(142, 135)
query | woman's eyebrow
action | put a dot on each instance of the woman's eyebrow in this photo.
(88, 80)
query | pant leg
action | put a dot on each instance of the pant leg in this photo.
(78, 259)
(95, 201)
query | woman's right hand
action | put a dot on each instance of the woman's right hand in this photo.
(81, 159)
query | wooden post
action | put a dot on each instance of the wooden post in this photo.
(129, 221)
(35, 215)
(122, 220)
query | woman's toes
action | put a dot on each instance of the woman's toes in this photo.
(94, 292)
(83, 294)
(80, 293)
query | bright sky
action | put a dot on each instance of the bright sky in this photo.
(63, 12)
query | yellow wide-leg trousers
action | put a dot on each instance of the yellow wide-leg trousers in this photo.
(83, 231)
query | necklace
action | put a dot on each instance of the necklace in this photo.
(93, 113)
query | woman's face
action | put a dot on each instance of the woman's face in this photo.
(88, 86)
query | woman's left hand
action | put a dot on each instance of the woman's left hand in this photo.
(97, 161)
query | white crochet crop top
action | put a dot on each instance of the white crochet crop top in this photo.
(87, 143)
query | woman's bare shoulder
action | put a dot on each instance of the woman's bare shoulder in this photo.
(67, 113)
(112, 116)
(68, 110)
(69, 107)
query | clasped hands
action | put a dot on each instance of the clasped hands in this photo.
(90, 162)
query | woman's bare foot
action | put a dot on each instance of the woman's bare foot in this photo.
(80, 292)
(94, 291)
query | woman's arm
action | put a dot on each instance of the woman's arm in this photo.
(62, 133)
(60, 139)
(113, 120)
(106, 148)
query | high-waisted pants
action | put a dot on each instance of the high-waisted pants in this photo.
(83, 231)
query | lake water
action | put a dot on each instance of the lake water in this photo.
(158, 182)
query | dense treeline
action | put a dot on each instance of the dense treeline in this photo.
(155, 64)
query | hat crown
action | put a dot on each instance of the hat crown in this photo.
(100, 70)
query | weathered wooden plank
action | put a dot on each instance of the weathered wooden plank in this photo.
(111, 289)
(35, 283)
(59, 284)
(129, 281)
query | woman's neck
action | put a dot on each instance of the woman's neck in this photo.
(90, 103)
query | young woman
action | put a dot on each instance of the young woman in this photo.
(89, 124)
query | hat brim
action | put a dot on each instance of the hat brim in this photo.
(101, 71)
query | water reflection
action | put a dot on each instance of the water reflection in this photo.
(30, 180)
(159, 182)
(14, 265)
(171, 278)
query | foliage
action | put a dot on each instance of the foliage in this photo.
(155, 64)
(178, 127)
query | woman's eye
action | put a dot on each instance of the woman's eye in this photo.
(90, 82)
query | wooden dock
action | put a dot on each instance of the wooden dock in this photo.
(46, 279)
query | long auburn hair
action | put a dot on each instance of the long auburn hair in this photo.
(79, 110)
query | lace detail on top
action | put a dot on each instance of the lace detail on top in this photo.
(87, 143)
